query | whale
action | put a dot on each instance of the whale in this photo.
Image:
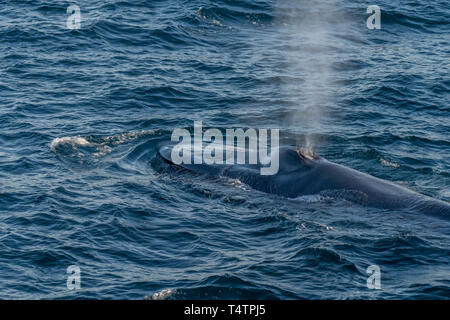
(301, 174)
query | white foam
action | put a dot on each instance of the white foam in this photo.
(74, 141)
(102, 146)
(313, 198)
(163, 294)
(387, 163)
(118, 139)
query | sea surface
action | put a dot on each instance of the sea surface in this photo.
(82, 112)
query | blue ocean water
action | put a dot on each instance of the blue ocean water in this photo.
(83, 111)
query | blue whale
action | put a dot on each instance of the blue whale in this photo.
(300, 174)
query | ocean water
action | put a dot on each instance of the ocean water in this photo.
(83, 110)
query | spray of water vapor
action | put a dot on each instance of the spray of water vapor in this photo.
(305, 29)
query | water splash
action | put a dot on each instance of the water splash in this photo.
(88, 149)
(162, 295)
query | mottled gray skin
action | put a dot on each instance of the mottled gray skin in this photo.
(301, 175)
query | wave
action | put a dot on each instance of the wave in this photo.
(85, 149)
